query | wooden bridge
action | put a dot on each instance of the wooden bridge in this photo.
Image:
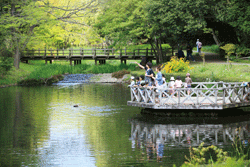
(203, 95)
(77, 55)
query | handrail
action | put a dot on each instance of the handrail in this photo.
(220, 93)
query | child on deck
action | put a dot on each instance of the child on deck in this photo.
(132, 81)
(137, 81)
(171, 85)
(141, 80)
(178, 83)
(188, 82)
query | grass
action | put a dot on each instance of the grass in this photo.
(210, 72)
(210, 49)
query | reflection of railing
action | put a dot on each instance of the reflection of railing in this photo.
(203, 95)
(186, 135)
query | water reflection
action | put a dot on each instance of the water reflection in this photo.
(155, 139)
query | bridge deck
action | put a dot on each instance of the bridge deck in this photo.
(208, 95)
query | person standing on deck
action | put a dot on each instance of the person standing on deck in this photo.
(158, 79)
(188, 82)
(149, 72)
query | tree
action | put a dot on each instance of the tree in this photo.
(18, 20)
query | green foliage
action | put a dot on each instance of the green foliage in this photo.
(230, 162)
(229, 49)
(6, 61)
(46, 71)
(108, 68)
(206, 155)
(210, 49)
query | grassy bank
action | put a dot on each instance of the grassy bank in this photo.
(39, 71)
(210, 72)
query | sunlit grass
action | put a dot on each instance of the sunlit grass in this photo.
(217, 72)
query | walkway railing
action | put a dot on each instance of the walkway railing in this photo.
(80, 54)
(213, 95)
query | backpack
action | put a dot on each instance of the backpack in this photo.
(199, 45)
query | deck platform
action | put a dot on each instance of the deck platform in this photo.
(203, 95)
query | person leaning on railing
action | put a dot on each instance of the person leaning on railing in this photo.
(247, 94)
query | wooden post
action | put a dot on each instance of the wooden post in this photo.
(57, 53)
(33, 53)
(70, 62)
(198, 140)
(39, 52)
(179, 96)
(224, 94)
(45, 54)
(51, 54)
(147, 54)
(121, 55)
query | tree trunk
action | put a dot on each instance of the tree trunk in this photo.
(17, 57)
(215, 38)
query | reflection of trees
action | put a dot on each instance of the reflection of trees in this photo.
(155, 136)
(26, 122)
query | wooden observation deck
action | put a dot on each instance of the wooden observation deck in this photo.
(203, 95)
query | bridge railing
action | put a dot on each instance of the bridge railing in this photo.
(89, 53)
(201, 93)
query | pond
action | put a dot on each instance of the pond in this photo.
(91, 125)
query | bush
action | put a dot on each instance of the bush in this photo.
(206, 155)
(6, 61)
(120, 74)
(176, 65)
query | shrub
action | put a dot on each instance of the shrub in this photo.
(120, 74)
(204, 155)
(176, 65)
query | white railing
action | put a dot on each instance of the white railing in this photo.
(201, 93)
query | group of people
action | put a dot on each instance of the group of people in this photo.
(190, 51)
(158, 80)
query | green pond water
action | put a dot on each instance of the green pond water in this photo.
(40, 126)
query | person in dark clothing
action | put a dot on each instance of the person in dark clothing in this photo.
(181, 54)
(189, 52)
(149, 72)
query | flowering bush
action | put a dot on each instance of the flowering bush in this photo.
(176, 65)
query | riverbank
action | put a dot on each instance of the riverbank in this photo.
(212, 71)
